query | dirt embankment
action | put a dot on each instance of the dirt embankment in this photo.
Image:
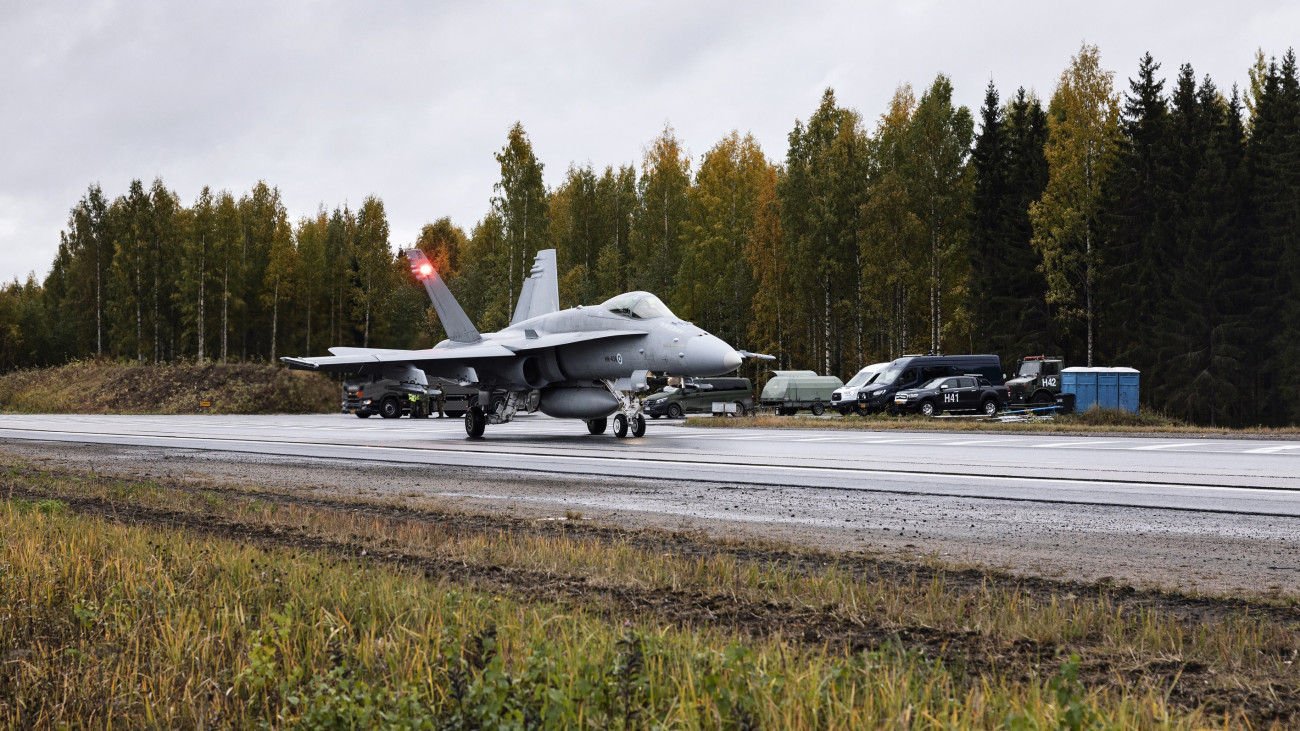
(102, 387)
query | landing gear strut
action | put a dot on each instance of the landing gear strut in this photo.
(629, 417)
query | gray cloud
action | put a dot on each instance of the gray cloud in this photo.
(408, 101)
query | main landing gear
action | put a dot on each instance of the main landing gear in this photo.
(502, 409)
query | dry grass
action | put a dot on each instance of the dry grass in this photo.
(1096, 421)
(103, 387)
(156, 626)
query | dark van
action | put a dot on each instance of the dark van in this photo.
(911, 371)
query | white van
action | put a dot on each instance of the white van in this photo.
(845, 399)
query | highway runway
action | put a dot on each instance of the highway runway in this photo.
(1220, 513)
(1218, 475)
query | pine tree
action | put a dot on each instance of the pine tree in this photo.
(1273, 159)
(1137, 219)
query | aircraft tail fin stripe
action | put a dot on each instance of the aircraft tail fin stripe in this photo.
(453, 318)
(541, 291)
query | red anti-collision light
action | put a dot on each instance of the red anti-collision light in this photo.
(426, 269)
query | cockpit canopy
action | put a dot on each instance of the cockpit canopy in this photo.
(638, 306)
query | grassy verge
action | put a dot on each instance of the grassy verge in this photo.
(103, 387)
(1096, 421)
(146, 603)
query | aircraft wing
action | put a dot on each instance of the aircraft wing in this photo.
(355, 359)
(553, 340)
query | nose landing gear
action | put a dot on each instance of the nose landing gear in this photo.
(623, 425)
(629, 417)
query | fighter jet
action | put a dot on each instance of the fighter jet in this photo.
(587, 363)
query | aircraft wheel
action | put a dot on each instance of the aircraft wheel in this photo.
(597, 426)
(638, 426)
(475, 422)
(620, 426)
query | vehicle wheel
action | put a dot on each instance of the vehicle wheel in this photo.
(363, 414)
(597, 426)
(674, 411)
(990, 407)
(620, 426)
(655, 416)
(1041, 399)
(818, 409)
(928, 409)
(475, 422)
(389, 408)
(496, 404)
(454, 414)
(638, 426)
(740, 409)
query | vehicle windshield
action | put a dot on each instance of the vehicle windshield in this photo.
(933, 382)
(889, 377)
(1031, 368)
(671, 389)
(638, 306)
(863, 378)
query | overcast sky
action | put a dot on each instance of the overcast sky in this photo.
(332, 102)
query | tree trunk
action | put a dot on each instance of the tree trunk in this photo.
(275, 315)
(202, 276)
(139, 316)
(225, 300)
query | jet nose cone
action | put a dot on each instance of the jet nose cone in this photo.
(732, 360)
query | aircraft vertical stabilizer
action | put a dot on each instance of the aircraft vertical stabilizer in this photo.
(541, 292)
(453, 318)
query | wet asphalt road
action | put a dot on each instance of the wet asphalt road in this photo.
(1229, 476)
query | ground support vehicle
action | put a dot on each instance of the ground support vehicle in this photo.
(791, 391)
(1037, 381)
(910, 371)
(697, 396)
(953, 393)
(388, 397)
(845, 399)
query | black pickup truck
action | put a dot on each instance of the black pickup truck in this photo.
(953, 393)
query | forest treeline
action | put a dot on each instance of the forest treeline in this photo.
(1153, 226)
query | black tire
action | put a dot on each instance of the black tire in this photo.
(740, 409)
(655, 416)
(989, 407)
(818, 409)
(928, 408)
(363, 414)
(597, 426)
(496, 404)
(674, 411)
(454, 414)
(638, 426)
(1041, 399)
(389, 408)
(475, 423)
(620, 426)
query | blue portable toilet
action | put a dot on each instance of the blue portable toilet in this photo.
(1103, 388)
